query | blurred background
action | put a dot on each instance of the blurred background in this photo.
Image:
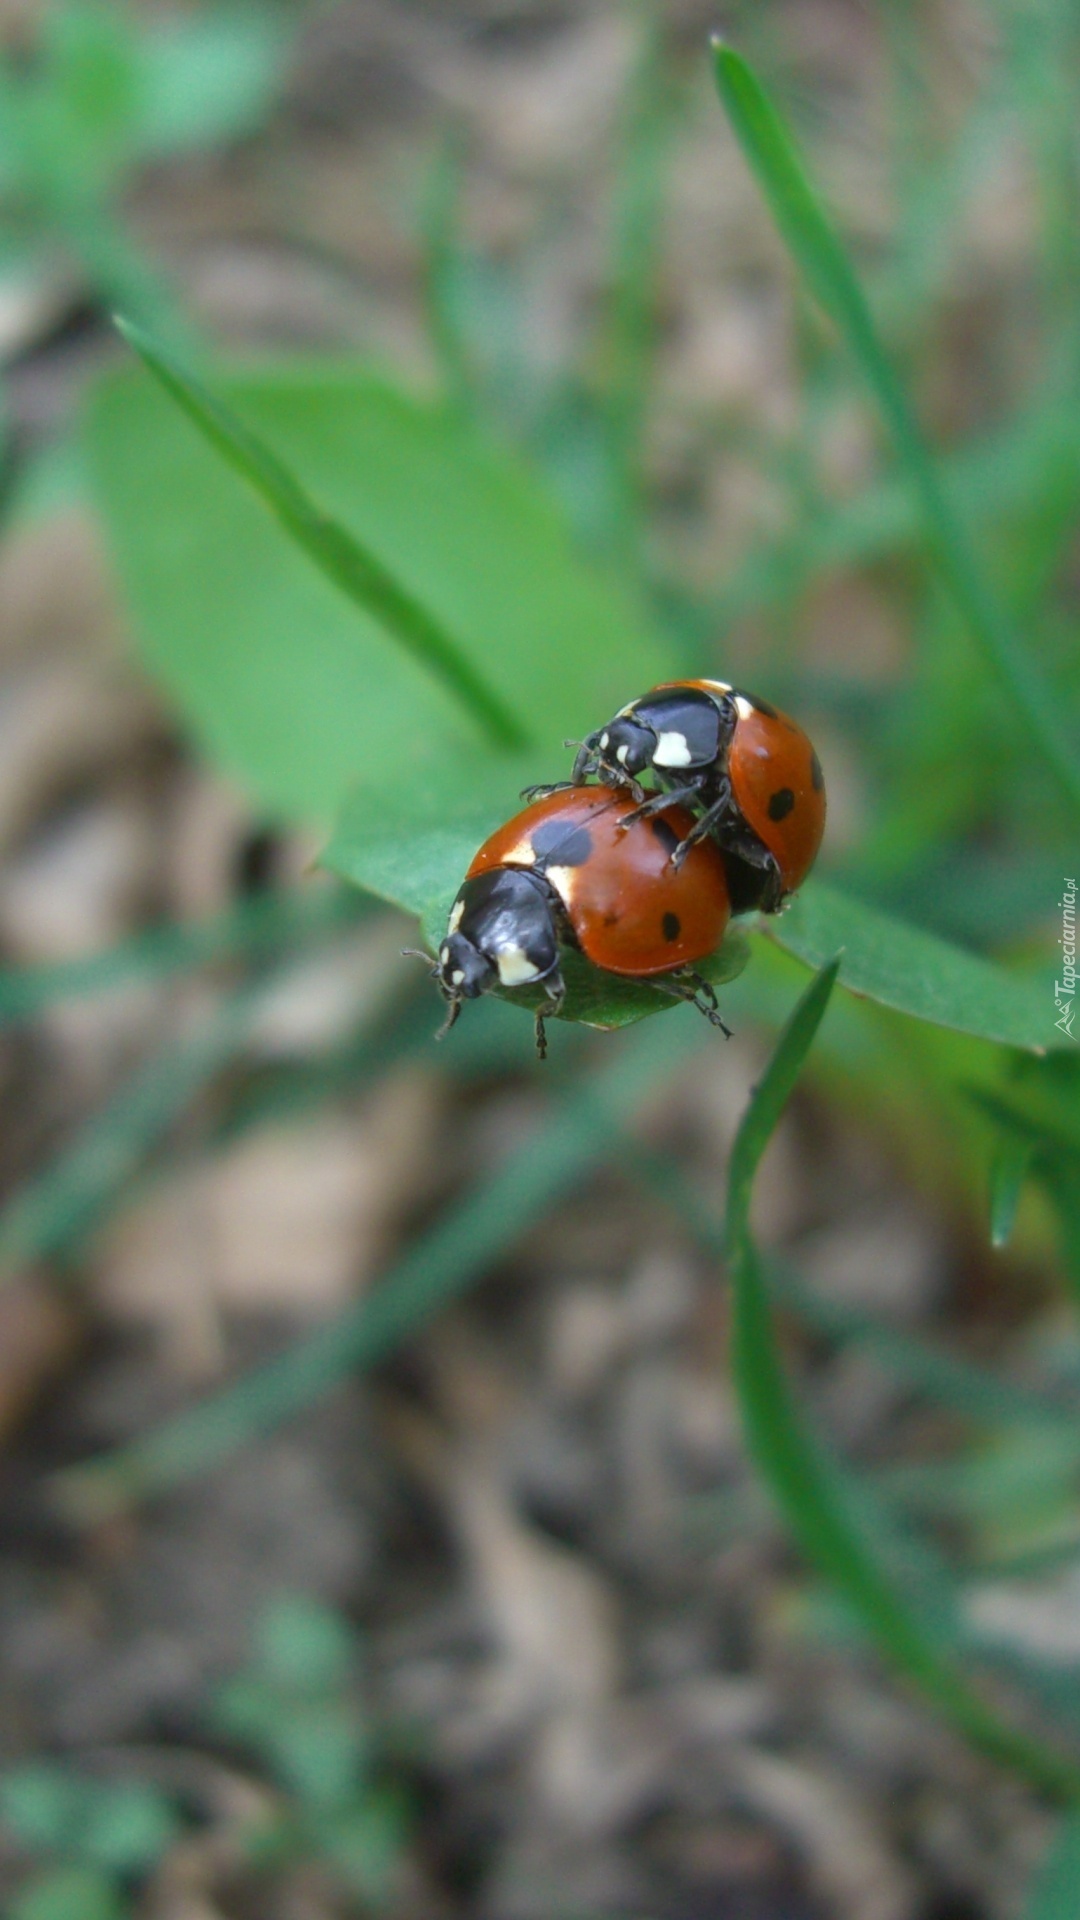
(504, 1626)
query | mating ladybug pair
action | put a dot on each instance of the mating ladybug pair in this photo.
(641, 881)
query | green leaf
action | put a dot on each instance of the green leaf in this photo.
(351, 566)
(412, 843)
(289, 685)
(304, 1648)
(366, 1844)
(71, 1893)
(40, 1804)
(207, 78)
(823, 261)
(319, 1752)
(899, 966)
(1054, 1895)
(829, 1525)
(128, 1826)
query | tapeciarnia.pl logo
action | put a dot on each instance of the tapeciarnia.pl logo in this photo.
(1065, 988)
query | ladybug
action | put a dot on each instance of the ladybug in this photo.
(562, 873)
(750, 774)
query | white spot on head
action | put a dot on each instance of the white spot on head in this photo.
(672, 751)
(605, 740)
(444, 956)
(515, 967)
(457, 977)
(621, 753)
(743, 707)
(456, 912)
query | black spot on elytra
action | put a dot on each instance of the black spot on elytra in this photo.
(781, 803)
(817, 778)
(665, 832)
(763, 706)
(556, 845)
(672, 926)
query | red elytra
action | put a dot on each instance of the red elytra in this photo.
(631, 911)
(776, 781)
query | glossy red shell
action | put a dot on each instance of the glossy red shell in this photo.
(776, 780)
(631, 911)
(777, 783)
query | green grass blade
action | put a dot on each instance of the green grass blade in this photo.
(49, 1215)
(824, 263)
(441, 1265)
(1007, 1175)
(354, 569)
(629, 334)
(953, 1381)
(811, 1498)
(259, 925)
(1056, 1893)
(46, 1217)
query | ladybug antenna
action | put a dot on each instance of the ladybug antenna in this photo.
(417, 953)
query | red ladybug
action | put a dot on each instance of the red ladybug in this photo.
(562, 873)
(750, 774)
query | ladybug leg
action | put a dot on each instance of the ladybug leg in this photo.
(550, 1011)
(655, 803)
(694, 988)
(753, 874)
(541, 793)
(704, 825)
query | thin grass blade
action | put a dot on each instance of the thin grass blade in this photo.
(442, 1264)
(1007, 1176)
(821, 257)
(353, 568)
(829, 1529)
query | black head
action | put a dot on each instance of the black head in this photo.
(502, 933)
(623, 746)
(461, 970)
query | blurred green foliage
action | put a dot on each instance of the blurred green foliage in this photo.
(447, 577)
(91, 92)
(297, 1712)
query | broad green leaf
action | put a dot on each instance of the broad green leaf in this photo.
(829, 1525)
(412, 843)
(900, 966)
(289, 685)
(345, 560)
(820, 254)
